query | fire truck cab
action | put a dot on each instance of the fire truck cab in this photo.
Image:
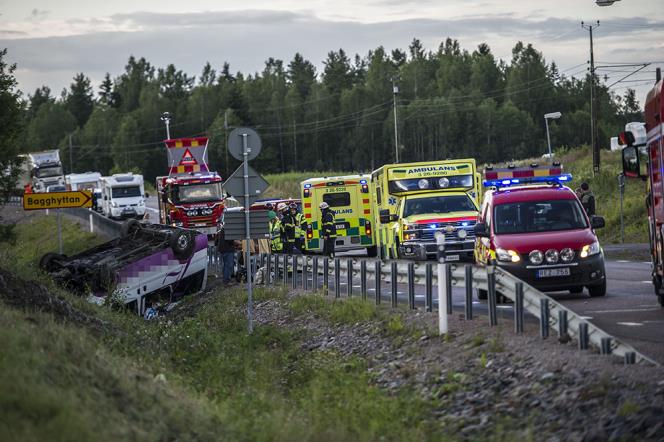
(647, 162)
(534, 227)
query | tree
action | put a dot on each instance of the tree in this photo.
(107, 93)
(79, 99)
(42, 95)
(301, 74)
(51, 124)
(11, 127)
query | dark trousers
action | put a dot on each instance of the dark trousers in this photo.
(228, 262)
(328, 246)
(288, 248)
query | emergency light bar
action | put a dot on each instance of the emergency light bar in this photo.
(525, 175)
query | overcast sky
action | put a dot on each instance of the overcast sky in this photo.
(53, 40)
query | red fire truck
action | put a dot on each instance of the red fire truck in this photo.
(190, 196)
(649, 168)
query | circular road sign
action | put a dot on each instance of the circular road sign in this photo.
(235, 143)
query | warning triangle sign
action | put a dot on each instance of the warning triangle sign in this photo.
(188, 159)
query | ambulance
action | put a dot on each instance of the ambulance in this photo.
(349, 198)
(414, 201)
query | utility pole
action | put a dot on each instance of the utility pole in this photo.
(226, 136)
(395, 91)
(71, 157)
(166, 118)
(593, 101)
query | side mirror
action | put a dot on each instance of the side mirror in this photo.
(597, 222)
(481, 230)
(631, 162)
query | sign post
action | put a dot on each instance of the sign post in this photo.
(245, 144)
(57, 201)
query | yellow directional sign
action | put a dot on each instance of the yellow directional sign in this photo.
(57, 200)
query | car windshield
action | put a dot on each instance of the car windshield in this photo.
(538, 216)
(126, 192)
(45, 172)
(197, 193)
(438, 204)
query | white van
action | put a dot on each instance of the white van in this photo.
(123, 196)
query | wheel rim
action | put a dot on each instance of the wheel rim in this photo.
(183, 242)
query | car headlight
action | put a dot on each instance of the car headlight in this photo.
(551, 256)
(567, 255)
(462, 233)
(507, 255)
(444, 183)
(192, 212)
(536, 257)
(590, 249)
(423, 184)
(177, 223)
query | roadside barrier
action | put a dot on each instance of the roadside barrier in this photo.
(97, 222)
(496, 282)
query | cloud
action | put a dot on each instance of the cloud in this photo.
(38, 14)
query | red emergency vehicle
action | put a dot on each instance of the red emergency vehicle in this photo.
(535, 227)
(653, 161)
(190, 196)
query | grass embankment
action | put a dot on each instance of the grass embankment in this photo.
(287, 185)
(197, 377)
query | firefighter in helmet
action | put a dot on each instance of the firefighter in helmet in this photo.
(329, 230)
(287, 228)
(300, 226)
(276, 246)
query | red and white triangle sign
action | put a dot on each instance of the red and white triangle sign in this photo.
(188, 159)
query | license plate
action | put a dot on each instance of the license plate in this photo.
(451, 257)
(200, 224)
(549, 273)
(340, 226)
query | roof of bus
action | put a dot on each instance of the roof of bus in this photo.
(326, 179)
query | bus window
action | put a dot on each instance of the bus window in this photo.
(341, 199)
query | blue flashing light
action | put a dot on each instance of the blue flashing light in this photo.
(306, 186)
(363, 181)
(465, 223)
(433, 226)
(529, 180)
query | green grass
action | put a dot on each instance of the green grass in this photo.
(287, 185)
(347, 311)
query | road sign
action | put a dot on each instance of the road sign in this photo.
(57, 200)
(236, 147)
(235, 225)
(234, 184)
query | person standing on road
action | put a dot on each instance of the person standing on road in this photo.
(275, 232)
(329, 230)
(300, 227)
(226, 249)
(587, 199)
(287, 228)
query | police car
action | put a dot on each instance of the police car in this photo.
(533, 226)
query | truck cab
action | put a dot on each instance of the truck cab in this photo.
(414, 201)
(123, 196)
(45, 170)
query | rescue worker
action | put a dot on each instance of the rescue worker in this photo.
(329, 230)
(587, 199)
(287, 228)
(226, 248)
(276, 245)
(300, 227)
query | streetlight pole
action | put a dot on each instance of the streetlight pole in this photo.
(166, 118)
(553, 116)
(395, 91)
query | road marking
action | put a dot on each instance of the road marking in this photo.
(419, 296)
(585, 317)
(630, 324)
(627, 310)
(646, 282)
(476, 302)
(504, 306)
(623, 260)
(357, 286)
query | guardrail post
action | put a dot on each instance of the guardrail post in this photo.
(518, 308)
(411, 285)
(314, 277)
(337, 278)
(428, 298)
(296, 264)
(491, 280)
(378, 281)
(583, 336)
(393, 280)
(606, 346)
(448, 288)
(305, 273)
(363, 278)
(562, 323)
(349, 269)
(630, 358)
(268, 270)
(285, 269)
(326, 275)
(544, 318)
(92, 226)
(469, 292)
(442, 284)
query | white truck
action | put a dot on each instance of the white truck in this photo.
(86, 181)
(123, 196)
(42, 169)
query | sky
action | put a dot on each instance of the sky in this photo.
(51, 41)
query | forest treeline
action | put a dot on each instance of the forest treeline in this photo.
(451, 103)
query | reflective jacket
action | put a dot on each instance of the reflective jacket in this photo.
(288, 227)
(300, 225)
(328, 224)
(275, 236)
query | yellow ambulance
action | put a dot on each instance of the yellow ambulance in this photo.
(349, 198)
(413, 201)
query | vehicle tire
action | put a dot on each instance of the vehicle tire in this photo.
(372, 251)
(49, 262)
(597, 290)
(482, 295)
(129, 227)
(576, 290)
(182, 243)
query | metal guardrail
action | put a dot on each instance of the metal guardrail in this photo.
(99, 223)
(496, 281)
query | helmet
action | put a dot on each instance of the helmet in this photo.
(271, 215)
(324, 205)
(281, 207)
(292, 206)
(269, 206)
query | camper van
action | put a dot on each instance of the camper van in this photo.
(123, 196)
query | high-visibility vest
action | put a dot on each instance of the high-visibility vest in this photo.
(275, 237)
(328, 224)
(288, 228)
(300, 225)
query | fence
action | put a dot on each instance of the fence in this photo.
(314, 273)
(97, 222)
